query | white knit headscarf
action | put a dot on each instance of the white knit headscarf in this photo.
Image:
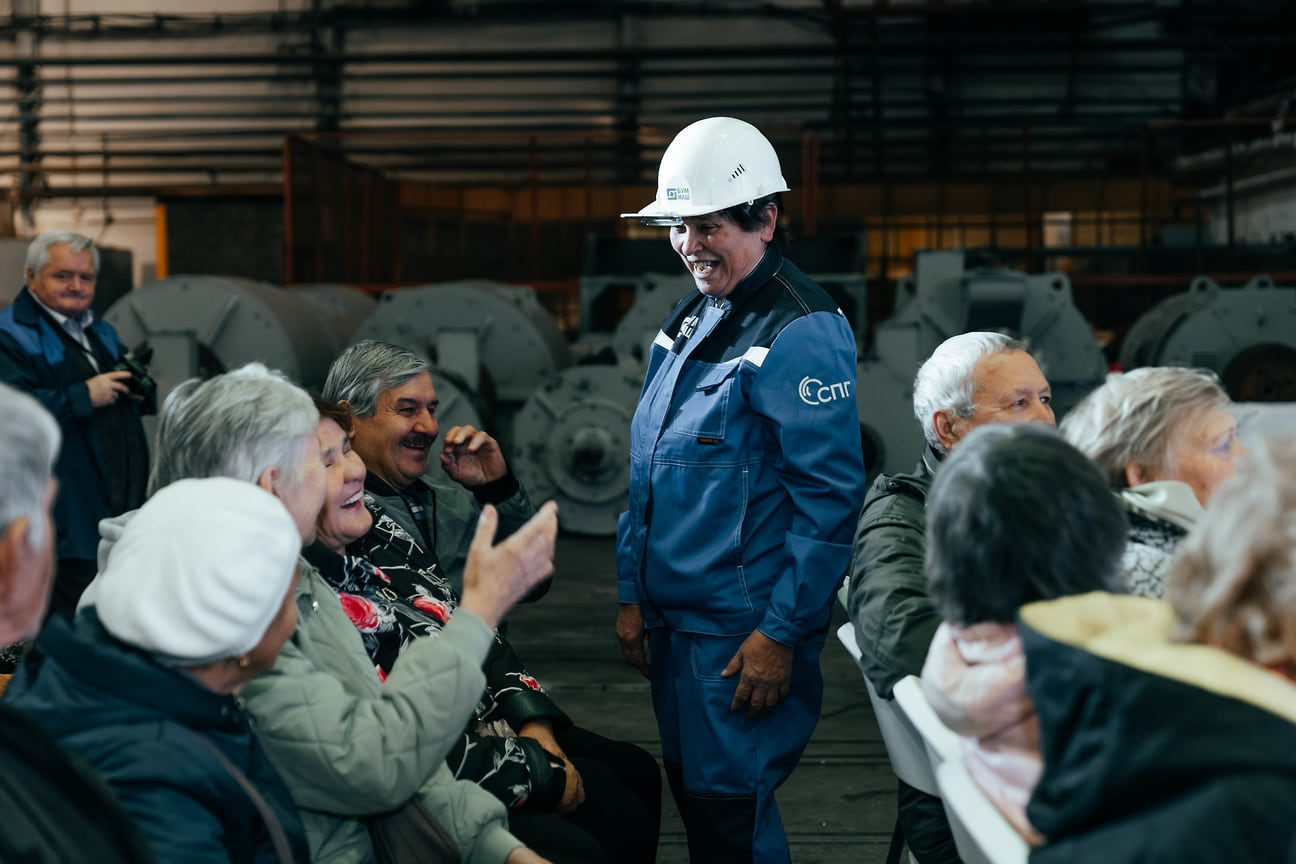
(200, 571)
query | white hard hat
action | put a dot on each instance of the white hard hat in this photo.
(712, 164)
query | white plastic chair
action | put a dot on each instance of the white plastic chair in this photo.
(942, 743)
(905, 747)
(981, 833)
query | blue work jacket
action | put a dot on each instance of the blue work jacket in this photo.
(33, 359)
(746, 473)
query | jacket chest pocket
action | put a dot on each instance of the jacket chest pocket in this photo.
(704, 410)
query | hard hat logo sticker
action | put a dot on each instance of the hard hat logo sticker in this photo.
(677, 194)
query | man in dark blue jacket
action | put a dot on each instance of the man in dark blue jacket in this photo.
(53, 347)
(745, 479)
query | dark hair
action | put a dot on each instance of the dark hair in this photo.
(756, 215)
(1015, 515)
(335, 411)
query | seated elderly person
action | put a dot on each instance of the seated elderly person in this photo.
(970, 380)
(196, 600)
(349, 746)
(572, 795)
(1167, 734)
(389, 392)
(1015, 515)
(1166, 441)
(56, 808)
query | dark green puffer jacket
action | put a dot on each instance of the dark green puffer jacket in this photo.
(886, 594)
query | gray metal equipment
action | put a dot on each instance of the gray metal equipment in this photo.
(1245, 335)
(655, 297)
(496, 337)
(349, 306)
(947, 300)
(205, 325)
(571, 442)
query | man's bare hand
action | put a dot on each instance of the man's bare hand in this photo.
(497, 576)
(630, 632)
(766, 668)
(107, 388)
(471, 457)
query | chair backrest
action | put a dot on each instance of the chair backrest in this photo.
(981, 833)
(905, 747)
(942, 742)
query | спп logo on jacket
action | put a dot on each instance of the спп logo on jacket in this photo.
(814, 392)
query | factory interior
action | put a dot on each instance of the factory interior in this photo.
(1113, 181)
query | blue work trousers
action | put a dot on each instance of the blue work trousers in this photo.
(722, 769)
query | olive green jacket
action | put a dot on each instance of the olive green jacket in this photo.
(350, 746)
(886, 591)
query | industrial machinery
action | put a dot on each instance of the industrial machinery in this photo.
(205, 325)
(497, 338)
(946, 300)
(571, 442)
(349, 306)
(1245, 335)
(655, 298)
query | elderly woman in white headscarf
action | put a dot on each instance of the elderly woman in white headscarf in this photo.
(195, 602)
(1166, 441)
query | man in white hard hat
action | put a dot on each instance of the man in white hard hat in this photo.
(745, 479)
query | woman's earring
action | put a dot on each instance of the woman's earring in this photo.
(244, 662)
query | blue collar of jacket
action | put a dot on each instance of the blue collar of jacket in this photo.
(40, 336)
(764, 270)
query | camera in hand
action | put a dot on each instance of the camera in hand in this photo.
(140, 383)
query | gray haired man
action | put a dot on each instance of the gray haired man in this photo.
(970, 380)
(390, 391)
(53, 347)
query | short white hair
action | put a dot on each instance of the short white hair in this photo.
(945, 382)
(31, 439)
(233, 425)
(1131, 419)
(38, 250)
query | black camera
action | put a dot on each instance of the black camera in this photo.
(140, 383)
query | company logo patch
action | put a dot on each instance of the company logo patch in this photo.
(678, 194)
(688, 326)
(814, 392)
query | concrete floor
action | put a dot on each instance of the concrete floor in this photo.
(838, 807)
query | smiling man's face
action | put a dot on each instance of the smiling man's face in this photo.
(395, 441)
